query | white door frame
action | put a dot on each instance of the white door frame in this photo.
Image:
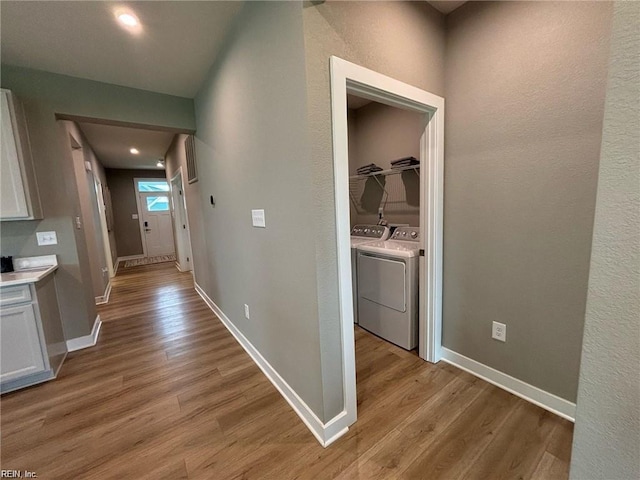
(143, 237)
(184, 217)
(347, 77)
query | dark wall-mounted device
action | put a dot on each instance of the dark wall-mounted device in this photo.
(6, 264)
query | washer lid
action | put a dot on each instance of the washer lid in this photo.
(393, 248)
(357, 241)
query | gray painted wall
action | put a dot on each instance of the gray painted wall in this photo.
(404, 40)
(525, 85)
(43, 95)
(354, 210)
(123, 201)
(174, 159)
(92, 227)
(380, 134)
(252, 153)
(606, 442)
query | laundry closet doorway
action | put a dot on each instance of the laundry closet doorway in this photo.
(348, 78)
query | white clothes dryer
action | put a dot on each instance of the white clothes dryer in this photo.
(388, 287)
(361, 235)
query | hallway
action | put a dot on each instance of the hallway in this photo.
(168, 393)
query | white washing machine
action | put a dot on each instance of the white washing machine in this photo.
(360, 235)
(388, 287)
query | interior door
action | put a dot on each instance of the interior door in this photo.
(104, 229)
(156, 222)
(181, 229)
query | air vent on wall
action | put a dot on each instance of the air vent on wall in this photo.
(190, 148)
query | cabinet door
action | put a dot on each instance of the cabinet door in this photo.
(13, 201)
(20, 350)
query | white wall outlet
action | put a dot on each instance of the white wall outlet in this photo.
(257, 218)
(499, 331)
(246, 311)
(47, 238)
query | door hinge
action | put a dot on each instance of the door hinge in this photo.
(422, 252)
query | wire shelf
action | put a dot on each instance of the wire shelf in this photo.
(391, 171)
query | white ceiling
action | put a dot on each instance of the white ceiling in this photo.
(445, 6)
(111, 145)
(172, 54)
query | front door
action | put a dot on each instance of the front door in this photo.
(156, 222)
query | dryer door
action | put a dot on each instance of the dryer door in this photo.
(382, 281)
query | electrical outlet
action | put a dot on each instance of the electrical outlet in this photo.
(246, 311)
(499, 331)
(47, 238)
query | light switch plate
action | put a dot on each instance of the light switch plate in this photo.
(47, 238)
(134, 216)
(257, 218)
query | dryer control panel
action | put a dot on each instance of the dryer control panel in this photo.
(370, 231)
(409, 234)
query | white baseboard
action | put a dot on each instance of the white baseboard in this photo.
(57, 370)
(104, 298)
(181, 270)
(325, 433)
(535, 395)
(88, 340)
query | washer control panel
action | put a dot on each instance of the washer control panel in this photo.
(370, 231)
(409, 234)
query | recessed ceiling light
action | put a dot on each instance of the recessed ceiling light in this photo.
(160, 163)
(128, 19)
(135, 151)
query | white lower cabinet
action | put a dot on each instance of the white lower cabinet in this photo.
(32, 343)
(21, 349)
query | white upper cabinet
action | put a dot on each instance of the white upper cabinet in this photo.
(19, 198)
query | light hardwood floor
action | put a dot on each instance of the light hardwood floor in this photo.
(167, 393)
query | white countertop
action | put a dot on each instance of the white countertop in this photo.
(29, 270)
